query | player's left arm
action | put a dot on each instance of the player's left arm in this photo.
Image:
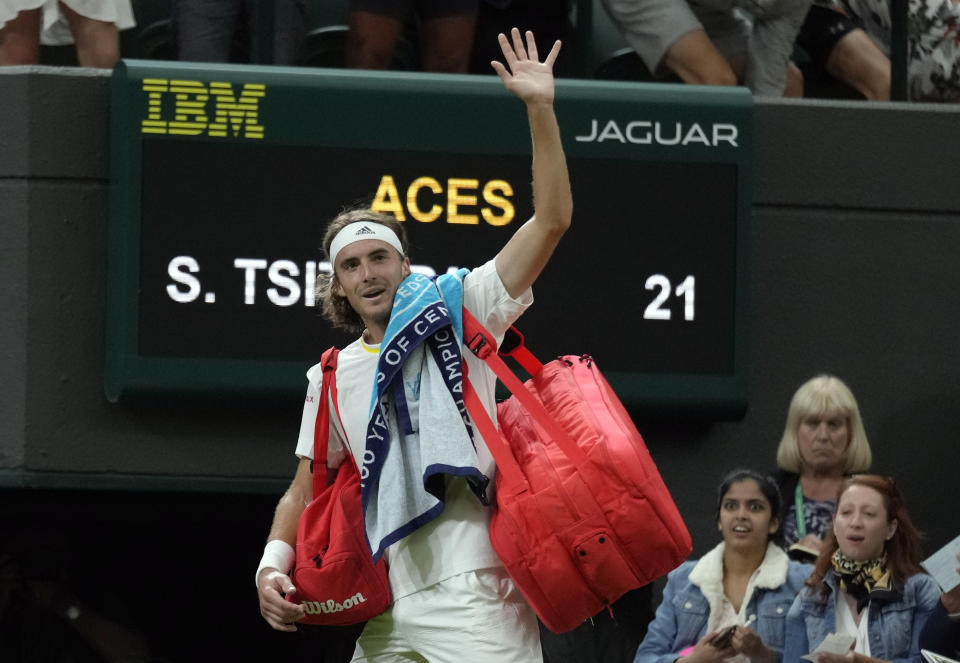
(526, 253)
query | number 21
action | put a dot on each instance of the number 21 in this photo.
(655, 309)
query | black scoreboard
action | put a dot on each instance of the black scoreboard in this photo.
(223, 178)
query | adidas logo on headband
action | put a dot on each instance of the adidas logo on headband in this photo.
(360, 230)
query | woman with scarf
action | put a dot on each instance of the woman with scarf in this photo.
(867, 582)
(732, 602)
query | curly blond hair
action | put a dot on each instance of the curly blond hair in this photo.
(335, 308)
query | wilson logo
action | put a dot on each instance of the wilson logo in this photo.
(330, 606)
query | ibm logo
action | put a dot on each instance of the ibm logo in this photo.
(233, 116)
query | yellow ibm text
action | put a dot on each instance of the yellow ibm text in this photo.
(426, 199)
(230, 115)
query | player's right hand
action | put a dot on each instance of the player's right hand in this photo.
(280, 613)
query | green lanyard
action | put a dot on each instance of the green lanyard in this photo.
(798, 508)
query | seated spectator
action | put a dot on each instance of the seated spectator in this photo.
(227, 30)
(669, 38)
(717, 42)
(93, 26)
(941, 633)
(768, 28)
(838, 45)
(933, 50)
(734, 600)
(823, 440)
(446, 27)
(867, 582)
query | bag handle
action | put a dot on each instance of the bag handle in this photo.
(482, 344)
(321, 429)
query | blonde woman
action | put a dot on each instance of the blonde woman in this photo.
(823, 441)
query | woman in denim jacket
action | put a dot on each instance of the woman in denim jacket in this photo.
(733, 602)
(867, 581)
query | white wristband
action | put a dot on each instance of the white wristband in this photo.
(277, 554)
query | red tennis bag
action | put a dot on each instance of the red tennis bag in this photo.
(582, 515)
(335, 579)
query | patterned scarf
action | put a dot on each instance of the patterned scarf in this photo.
(865, 581)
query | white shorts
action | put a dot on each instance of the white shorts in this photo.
(478, 616)
(55, 31)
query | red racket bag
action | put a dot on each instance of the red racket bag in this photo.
(582, 515)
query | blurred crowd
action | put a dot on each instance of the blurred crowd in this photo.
(823, 48)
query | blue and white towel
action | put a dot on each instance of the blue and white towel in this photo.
(419, 430)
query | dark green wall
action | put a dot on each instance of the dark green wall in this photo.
(857, 221)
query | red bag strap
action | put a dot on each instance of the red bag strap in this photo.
(482, 344)
(321, 429)
(498, 446)
(513, 345)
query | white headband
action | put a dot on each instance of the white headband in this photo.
(355, 232)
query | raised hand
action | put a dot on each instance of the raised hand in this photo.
(524, 75)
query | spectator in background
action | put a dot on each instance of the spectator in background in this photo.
(717, 42)
(227, 30)
(93, 25)
(669, 38)
(769, 29)
(823, 440)
(933, 50)
(742, 589)
(867, 582)
(446, 27)
(838, 45)
(941, 633)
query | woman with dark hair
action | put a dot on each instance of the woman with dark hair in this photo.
(867, 581)
(734, 600)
